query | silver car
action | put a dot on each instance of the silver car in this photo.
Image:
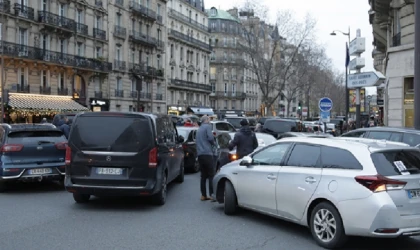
(336, 187)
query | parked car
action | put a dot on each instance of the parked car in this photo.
(190, 149)
(276, 127)
(235, 121)
(221, 127)
(227, 155)
(405, 135)
(117, 153)
(31, 152)
(339, 188)
(262, 120)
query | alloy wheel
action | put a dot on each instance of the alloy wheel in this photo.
(325, 225)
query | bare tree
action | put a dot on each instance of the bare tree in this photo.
(272, 51)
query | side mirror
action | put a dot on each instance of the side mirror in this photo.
(181, 139)
(246, 161)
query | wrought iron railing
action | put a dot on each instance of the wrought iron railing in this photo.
(120, 31)
(159, 97)
(98, 94)
(142, 38)
(56, 20)
(82, 29)
(24, 11)
(396, 40)
(5, 6)
(99, 34)
(181, 17)
(120, 65)
(23, 88)
(142, 10)
(45, 90)
(189, 39)
(229, 94)
(192, 85)
(62, 91)
(119, 93)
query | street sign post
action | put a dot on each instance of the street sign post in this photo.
(365, 79)
(325, 116)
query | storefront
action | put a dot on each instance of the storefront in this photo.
(31, 108)
(176, 110)
(97, 105)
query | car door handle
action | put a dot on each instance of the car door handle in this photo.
(271, 177)
(310, 180)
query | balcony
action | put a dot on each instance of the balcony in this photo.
(138, 37)
(396, 40)
(5, 6)
(45, 90)
(82, 29)
(98, 94)
(133, 93)
(159, 97)
(143, 69)
(62, 91)
(189, 21)
(230, 61)
(192, 41)
(143, 11)
(119, 93)
(229, 94)
(119, 2)
(189, 85)
(31, 53)
(147, 96)
(159, 19)
(99, 34)
(98, 4)
(120, 31)
(56, 21)
(21, 88)
(120, 65)
(160, 45)
(24, 11)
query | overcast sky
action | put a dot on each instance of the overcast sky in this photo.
(330, 15)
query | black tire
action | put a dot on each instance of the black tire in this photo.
(339, 238)
(196, 167)
(2, 186)
(180, 178)
(61, 182)
(231, 201)
(81, 198)
(160, 197)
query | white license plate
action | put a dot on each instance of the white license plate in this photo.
(40, 171)
(414, 194)
(110, 171)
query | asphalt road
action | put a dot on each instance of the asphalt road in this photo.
(44, 216)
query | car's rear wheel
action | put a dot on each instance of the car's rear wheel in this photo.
(231, 201)
(327, 227)
(180, 178)
(196, 166)
(81, 198)
(160, 197)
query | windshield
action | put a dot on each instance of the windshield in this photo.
(184, 133)
(111, 133)
(279, 126)
(20, 137)
(263, 139)
(397, 162)
(236, 122)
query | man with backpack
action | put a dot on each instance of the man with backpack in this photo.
(245, 140)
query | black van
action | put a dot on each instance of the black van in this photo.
(276, 127)
(128, 154)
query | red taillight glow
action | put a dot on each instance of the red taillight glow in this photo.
(184, 146)
(153, 158)
(233, 157)
(214, 133)
(68, 155)
(61, 145)
(11, 148)
(379, 183)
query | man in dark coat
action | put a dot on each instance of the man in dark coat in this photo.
(245, 140)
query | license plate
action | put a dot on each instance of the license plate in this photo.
(414, 194)
(40, 171)
(110, 171)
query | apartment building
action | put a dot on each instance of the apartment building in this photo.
(227, 65)
(188, 54)
(137, 51)
(393, 32)
(53, 54)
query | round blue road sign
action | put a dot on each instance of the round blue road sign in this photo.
(325, 104)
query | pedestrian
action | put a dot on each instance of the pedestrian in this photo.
(64, 126)
(258, 127)
(188, 123)
(244, 140)
(205, 143)
(371, 122)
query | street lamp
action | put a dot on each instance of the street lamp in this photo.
(334, 33)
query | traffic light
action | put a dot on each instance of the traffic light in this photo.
(300, 106)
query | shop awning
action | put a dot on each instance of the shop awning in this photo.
(44, 102)
(201, 110)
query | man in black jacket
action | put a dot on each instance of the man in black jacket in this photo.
(245, 140)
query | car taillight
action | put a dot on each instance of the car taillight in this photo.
(233, 157)
(153, 158)
(68, 155)
(61, 145)
(214, 133)
(184, 146)
(379, 183)
(11, 148)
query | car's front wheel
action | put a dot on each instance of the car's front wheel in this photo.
(196, 166)
(81, 198)
(327, 227)
(231, 201)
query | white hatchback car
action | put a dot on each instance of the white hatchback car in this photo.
(336, 187)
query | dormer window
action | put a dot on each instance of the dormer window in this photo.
(213, 11)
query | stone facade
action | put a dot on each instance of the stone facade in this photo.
(137, 51)
(187, 55)
(393, 29)
(55, 47)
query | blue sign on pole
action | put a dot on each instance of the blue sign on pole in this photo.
(325, 116)
(325, 104)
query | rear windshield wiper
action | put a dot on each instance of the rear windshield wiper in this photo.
(44, 142)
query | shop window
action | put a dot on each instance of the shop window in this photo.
(409, 90)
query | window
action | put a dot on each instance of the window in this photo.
(338, 158)
(118, 19)
(226, 104)
(119, 84)
(133, 84)
(62, 45)
(22, 77)
(222, 126)
(98, 52)
(61, 83)
(23, 36)
(118, 53)
(233, 88)
(396, 137)
(80, 49)
(44, 78)
(355, 134)
(399, 162)
(172, 51)
(44, 5)
(411, 139)
(312, 154)
(62, 10)
(379, 135)
(272, 155)
(213, 87)
(98, 22)
(79, 16)
(181, 54)
(97, 84)
(213, 12)
(226, 88)
(158, 9)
